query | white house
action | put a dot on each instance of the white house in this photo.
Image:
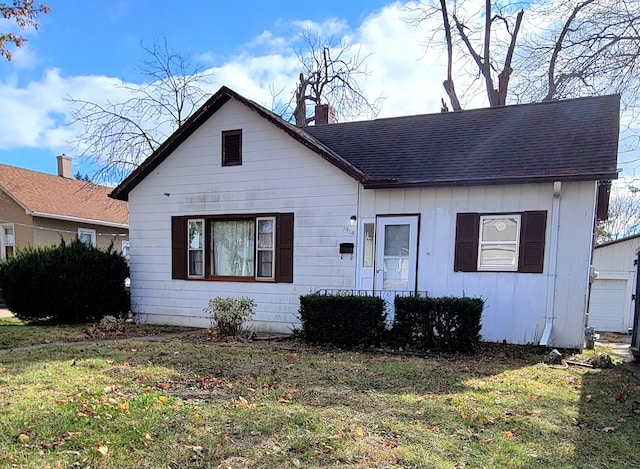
(611, 306)
(498, 203)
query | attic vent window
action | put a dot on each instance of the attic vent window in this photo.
(231, 147)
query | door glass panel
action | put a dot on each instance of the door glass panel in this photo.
(396, 240)
(396, 257)
(367, 258)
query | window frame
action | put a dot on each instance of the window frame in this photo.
(272, 249)
(531, 241)
(125, 249)
(4, 254)
(89, 231)
(282, 247)
(201, 249)
(225, 160)
(483, 243)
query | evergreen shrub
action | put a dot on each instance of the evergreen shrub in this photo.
(67, 283)
(343, 320)
(446, 324)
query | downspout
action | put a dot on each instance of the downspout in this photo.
(553, 263)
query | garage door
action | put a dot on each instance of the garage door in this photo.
(607, 306)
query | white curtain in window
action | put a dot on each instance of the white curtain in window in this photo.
(233, 248)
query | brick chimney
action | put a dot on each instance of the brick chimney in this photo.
(325, 114)
(64, 166)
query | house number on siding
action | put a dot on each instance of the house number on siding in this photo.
(349, 229)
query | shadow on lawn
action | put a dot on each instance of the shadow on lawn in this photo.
(319, 383)
(608, 422)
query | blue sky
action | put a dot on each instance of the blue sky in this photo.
(84, 47)
(81, 44)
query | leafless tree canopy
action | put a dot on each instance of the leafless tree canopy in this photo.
(329, 74)
(624, 216)
(23, 13)
(534, 51)
(118, 136)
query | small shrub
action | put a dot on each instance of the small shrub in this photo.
(67, 283)
(344, 320)
(228, 314)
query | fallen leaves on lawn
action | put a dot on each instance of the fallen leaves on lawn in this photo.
(101, 449)
(210, 382)
(59, 441)
(242, 403)
(287, 396)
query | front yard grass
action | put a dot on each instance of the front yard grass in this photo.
(190, 402)
(17, 333)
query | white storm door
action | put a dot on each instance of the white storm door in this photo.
(396, 253)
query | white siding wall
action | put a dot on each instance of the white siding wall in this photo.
(277, 175)
(515, 307)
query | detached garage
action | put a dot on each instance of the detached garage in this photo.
(610, 303)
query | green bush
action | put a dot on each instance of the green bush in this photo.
(438, 324)
(342, 320)
(67, 283)
(228, 314)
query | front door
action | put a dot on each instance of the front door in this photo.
(396, 253)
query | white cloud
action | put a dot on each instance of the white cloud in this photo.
(38, 115)
(401, 69)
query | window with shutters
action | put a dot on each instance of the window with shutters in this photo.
(498, 242)
(235, 248)
(504, 242)
(231, 147)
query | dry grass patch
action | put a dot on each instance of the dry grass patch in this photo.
(190, 402)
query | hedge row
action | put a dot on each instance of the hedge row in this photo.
(436, 324)
(344, 320)
(67, 283)
(446, 324)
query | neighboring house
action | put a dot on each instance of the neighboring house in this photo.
(611, 304)
(39, 209)
(498, 203)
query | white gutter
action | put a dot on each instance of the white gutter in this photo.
(87, 221)
(553, 263)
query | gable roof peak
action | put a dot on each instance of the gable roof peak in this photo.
(518, 143)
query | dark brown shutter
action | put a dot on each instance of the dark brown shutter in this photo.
(602, 200)
(231, 147)
(178, 248)
(466, 248)
(284, 248)
(532, 234)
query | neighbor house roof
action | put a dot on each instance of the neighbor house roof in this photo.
(617, 241)
(50, 196)
(568, 140)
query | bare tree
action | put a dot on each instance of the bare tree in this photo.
(118, 136)
(624, 215)
(24, 14)
(538, 51)
(329, 75)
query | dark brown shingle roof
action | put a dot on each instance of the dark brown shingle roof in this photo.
(558, 140)
(57, 197)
